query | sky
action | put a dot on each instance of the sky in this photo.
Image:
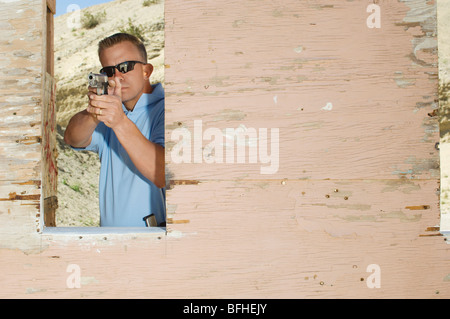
(63, 5)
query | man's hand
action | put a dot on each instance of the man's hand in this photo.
(107, 108)
(148, 157)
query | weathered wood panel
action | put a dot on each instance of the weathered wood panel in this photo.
(357, 177)
(357, 181)
(342, 94)
(21, 95)
(261, 249)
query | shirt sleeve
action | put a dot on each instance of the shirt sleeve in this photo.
(98, 137)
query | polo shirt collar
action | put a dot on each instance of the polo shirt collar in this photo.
(147, 98)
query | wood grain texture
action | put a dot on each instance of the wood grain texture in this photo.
(313, 246)
(49, 152)
(280, 65)
(22, 90)
(358, 176)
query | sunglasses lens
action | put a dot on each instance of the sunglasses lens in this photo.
(109, 71)
(126, 66)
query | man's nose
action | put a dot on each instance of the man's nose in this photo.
(118, 74)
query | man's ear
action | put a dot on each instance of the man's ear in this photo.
(148, 70)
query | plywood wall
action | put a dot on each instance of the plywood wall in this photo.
(21, 99)
(336, 195)
(349, 91)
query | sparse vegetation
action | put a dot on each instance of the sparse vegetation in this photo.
(136, 30)
(158, 26)
(90, 21)
(444, 110)
(148, 3)
(444, 90)
(74, 187)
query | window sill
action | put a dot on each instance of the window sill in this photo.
(103, 233)
(446, 234)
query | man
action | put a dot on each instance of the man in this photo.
(126, 128)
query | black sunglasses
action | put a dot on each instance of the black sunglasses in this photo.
(123, 67)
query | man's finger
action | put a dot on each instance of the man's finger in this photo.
(111, 85)
(99, 100)
(118, 88)
(92, 90)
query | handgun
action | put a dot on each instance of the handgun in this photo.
(99, 81)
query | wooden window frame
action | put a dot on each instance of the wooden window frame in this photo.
(49, 202)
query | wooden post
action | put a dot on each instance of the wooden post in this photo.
(50, 170)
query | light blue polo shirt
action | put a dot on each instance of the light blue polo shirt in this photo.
(125, 195)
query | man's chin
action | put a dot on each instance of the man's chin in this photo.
(125, 94)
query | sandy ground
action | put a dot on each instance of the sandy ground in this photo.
(76, 56)
(443, 17)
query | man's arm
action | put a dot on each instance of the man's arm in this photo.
(148, 157)
(80, 128)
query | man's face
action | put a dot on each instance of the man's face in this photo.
(133, 82)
